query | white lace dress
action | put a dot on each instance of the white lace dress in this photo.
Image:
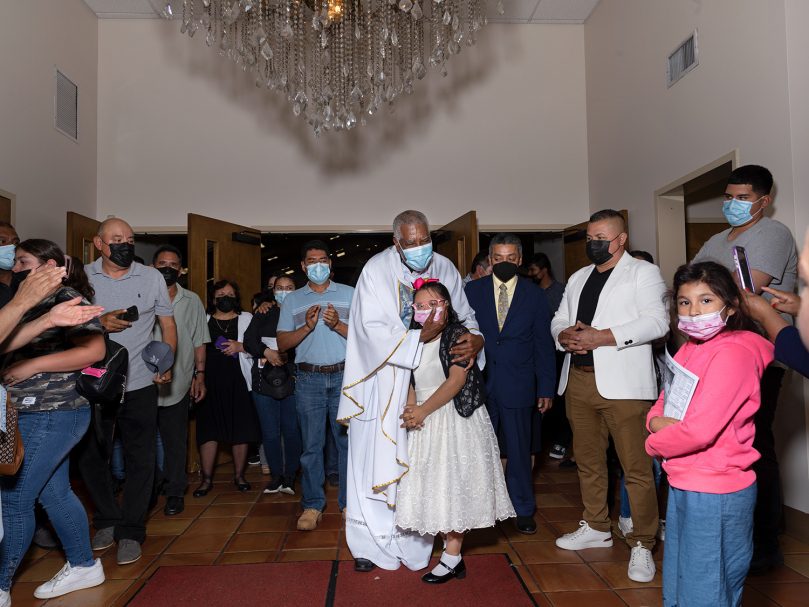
(455, 481)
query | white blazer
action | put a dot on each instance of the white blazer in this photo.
(632, 304)
(245, 360)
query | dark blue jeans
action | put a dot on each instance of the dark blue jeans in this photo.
(48, 437)
(279, 423)
(318, 395)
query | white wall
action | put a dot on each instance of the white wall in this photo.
(750, 92)
(46, 171)
(183, 129)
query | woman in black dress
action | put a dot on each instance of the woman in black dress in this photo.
(227, 414)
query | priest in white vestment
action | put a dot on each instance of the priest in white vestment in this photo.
(381, 353)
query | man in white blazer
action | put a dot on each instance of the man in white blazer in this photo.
(610, 313)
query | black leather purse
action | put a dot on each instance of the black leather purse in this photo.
(277, 382)
(105, 381)
(473, 393)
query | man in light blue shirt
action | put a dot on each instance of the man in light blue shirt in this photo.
(314, 322)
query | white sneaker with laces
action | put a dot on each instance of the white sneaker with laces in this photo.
(584, 537)
(70, 579)
(625, 525)
(641, 566)
(5, 598)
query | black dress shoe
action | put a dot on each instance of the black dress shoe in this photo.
(458, 572)
(174, 505)
(204, 488)
(241, 484)
(363, 565)
(526, 525)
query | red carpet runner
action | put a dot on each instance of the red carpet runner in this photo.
(490, 580)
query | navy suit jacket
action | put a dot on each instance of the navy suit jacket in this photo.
(520, 359)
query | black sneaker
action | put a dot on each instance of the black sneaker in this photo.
(288, 486)
(254, 460)
(274, 486)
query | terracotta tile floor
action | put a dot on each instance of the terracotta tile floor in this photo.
(230, 527)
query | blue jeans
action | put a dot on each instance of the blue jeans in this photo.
(657, 470)
(318, 395)
(709, 544)
(48, 437)
(279, 420)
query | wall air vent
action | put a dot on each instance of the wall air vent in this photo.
(683, 60)
(66, 107)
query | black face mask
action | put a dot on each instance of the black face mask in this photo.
(170, 274)
(225, 304)
(598, 251)
(17, 278)
(122, 254)
(504, 271)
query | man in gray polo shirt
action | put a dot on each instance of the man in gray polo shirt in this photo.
(119, 284)
(773, 260)
(188, 378)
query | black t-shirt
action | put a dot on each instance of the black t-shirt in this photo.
(5, 294)
(588, 301)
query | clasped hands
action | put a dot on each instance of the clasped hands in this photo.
(413, 417)
(581, 338)
(331, 317)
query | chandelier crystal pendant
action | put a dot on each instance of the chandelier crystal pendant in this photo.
(336, 61)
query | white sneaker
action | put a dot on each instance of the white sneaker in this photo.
(641, 566)
(5, 598)
(625, 525)
(584, 537)
(70, 579)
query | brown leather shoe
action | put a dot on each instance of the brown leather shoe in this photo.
(309, 520)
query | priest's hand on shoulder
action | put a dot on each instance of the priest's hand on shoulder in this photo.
(432, 328)
(466, 349)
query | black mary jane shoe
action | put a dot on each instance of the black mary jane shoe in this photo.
(363, 565)
(458, 572)
(526, 525)
(204, 488)
(241, 484)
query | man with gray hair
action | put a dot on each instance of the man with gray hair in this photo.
(381, 353)
(515, 320)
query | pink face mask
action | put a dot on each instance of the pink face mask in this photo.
(702, 327)
(421, 316)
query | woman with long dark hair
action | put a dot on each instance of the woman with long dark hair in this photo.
(41, 374)
(227, 414)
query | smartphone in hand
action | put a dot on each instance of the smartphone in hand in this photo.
(131, 314)
(743, 269)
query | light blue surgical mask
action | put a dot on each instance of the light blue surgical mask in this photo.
(418, 258)
(280, 296)
(318, 273)
(737, 212)
(7, 256)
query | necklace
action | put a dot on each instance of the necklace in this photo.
(218, 324)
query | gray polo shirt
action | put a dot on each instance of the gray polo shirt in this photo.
(192, 332)
(143, 287)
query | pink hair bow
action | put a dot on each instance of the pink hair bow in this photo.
(420, 282)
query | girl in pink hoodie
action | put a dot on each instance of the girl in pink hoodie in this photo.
(709, 453)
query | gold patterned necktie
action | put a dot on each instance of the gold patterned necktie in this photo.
(502, 306)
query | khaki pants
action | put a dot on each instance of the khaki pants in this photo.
(593, 419)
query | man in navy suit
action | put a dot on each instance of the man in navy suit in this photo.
(521, 369)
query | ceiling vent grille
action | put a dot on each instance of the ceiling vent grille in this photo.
(67, 106)
(683, 60)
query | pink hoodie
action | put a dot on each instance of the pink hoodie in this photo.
(711, 449)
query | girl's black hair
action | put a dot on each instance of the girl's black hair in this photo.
(442, 292)
(220, 285)
(720, 281)
(45, 250)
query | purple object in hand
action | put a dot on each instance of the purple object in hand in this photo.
(221, 343)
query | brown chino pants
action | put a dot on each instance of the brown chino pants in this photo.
(593, 419)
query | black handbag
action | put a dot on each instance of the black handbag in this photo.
(105, 381)
(277, 382)
(473, 393)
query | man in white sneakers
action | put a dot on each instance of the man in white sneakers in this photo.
(610, 313)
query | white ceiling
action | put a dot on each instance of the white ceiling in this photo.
(516, 11)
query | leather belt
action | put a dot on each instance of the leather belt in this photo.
(585, 368)
(307, 368)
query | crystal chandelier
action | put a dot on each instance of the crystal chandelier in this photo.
(337, 61)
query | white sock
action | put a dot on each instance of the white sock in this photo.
(451, 560)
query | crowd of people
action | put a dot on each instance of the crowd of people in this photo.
(420, 394)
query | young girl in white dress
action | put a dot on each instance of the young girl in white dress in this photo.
(455, 481)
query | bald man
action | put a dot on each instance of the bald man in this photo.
(119, 284)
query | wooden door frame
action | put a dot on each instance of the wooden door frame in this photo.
(669, 204)
(13, 209)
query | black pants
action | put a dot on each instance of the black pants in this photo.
(137, 424)
(768, 514)
(173, 424)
